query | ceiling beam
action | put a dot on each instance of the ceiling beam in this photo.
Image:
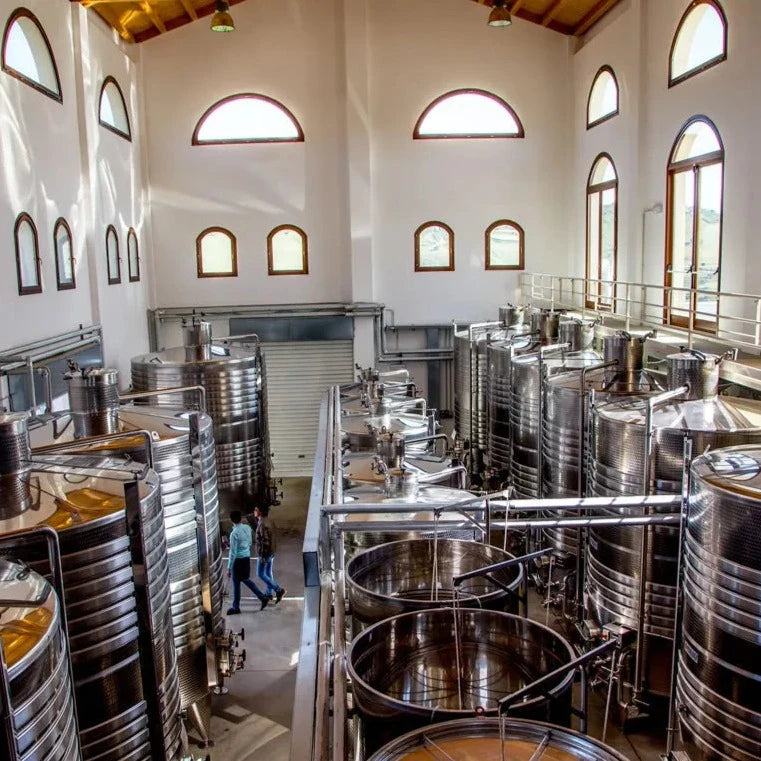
(111, 17)
(553, 11)
(156, 20)
(189, 9)
(517, 6)
(593, 16)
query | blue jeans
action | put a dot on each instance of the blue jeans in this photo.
(241, 573)
(264, 572)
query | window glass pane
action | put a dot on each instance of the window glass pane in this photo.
(593, 253)
(603, 99)
(112, 253)
(27, 249)
(132, 253)
(434, 247)
(468, 113)
(603, 171)
(245, 118)
(505, 246)
(216, 254)
(27, 53)
(607, 246)
(113, 111)
(699, 138)
(700, 39)
(683, 207)
(709, 238)
(287, 251)
(64, 255)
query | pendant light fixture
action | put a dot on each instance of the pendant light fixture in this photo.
(222, 21)
(499, 15)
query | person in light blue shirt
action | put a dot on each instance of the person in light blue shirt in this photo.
(239, 564)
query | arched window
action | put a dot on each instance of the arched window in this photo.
(434, 247)
(247, 118)
(133, 257)
(602, 103)
(602, 233)
(468, 113)
(112, 109)
(287, 251)
(694, 224)
(113, 261)
(27, 255)
(27, 54)
(64, 255)
(700, 40)
(504, 246)
(217, 253)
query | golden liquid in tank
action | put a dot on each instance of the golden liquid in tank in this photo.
(750, 489)
(21, 635)
(485, 749)
(82, 506)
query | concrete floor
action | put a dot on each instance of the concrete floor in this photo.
(252, 722)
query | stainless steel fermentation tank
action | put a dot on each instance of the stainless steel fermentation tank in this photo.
(638, 448)
(236, 399)
(719, 703)
(35, 670)
(109, 520)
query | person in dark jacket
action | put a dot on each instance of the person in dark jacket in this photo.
(239, 563)
(266, 545)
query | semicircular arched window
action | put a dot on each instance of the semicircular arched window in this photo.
(133, 257)
(216, 253)
(504, 245)
(602, 233)
(434, 247)
(113, 261)
(603, 97)
(27, 255)
(287, 251)
(247, 118)
(27, 54)
(112, 109)
(694, 223)
(700, 40)
(64, 255)
(468, 114)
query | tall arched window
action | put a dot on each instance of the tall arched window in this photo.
(434, 247)
(64, 255)
(27, 54)
(247, 118)
(27, 255)
(112, 109)
(468, 114)
(133, 257)
(216, 253)
(287, 251)
(700, 40)
(602, 233)
(694, 225)
(602, 103)
(504, 246)
(113, 261)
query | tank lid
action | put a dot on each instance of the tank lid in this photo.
(13, 423)
(94, 376)
(197, 333)
(734, 469)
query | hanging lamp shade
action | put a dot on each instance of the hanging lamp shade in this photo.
(499, 15)
(222, 21)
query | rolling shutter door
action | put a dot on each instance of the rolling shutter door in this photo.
(298, 373)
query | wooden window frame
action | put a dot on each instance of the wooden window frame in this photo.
(678, 167)
(601, 187)
(199, 257)
(26, 13)
(521, 246)
(612, 114)
(128, 135)
(424, 226)
(62, 286)
(133, 277)
(304, 247)
(25, 290)
(248, 141)
(474, 91)
(111, 279)
(709, 64)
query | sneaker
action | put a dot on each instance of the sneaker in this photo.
(265, 600)
(233, 611)
(279, 595)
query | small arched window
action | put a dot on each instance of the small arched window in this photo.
(602, 233)
(287, 251)
(113, 261)
(247, 118)
(112, 109)
(602, 103)
(468, 114)
(133, 257)
(27, 255)
(504, 246)
(694, 223)
(700, 40)
(27, 54)
(434, 247)
(64, 255)
(217, 253)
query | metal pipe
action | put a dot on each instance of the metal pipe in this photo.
(477, 572)
(131, 395)
(321, 735)
(438, 476)
(30, 347)
(339, 653)
(106, 437)
(12, 748)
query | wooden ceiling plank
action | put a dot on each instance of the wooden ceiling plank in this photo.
(189, 9)
(553, 11)
(156, 20)
(593, 16)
